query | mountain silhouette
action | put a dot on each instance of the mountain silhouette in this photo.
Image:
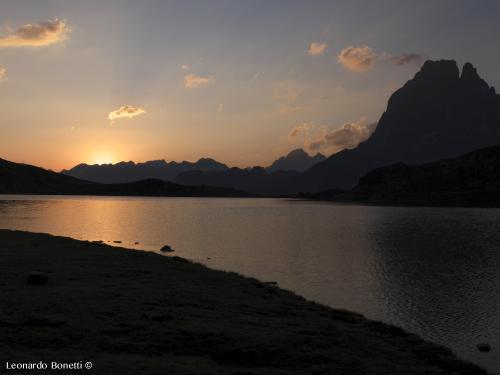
(256, 180)
(470, 179)
(296, 160)
(438, 114)
(27, 179)
(130, 171)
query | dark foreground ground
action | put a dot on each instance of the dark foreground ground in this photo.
(131, 312)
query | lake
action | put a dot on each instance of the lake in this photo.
(432, 271)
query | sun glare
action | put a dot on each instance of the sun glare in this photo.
(102, 158)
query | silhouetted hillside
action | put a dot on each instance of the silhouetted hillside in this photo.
(297, 160)
(130, 171)
(438, 114)
(473, 178)
(255, 180)
(26, 179)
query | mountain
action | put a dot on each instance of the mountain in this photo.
(130, 171)
(296, 160)
(27, 179)
(470, 179)
(256, 180)
(438, 114)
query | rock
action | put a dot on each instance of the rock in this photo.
(136, 243)
(117, 241)
(37, 278)
(483, 347)
(271, 283)
(166, 249)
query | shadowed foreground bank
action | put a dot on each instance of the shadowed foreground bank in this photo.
(134, 312)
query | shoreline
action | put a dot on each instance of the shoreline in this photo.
(140, 312)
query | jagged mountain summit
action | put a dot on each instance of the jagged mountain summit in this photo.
(296, 160)
(129, 171)
(438, 114)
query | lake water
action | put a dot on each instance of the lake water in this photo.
(432, 271)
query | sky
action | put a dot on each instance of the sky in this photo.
(243, 82)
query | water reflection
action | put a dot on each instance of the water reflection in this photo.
(430, 270)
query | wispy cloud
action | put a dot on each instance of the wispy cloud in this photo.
(192, 81)
(3, 73)
(220, 108)
(330, 140)
(37, 35)
(361, 59)
(290, 109)
(406, 58)
(185, 67)
(255, 77)
(286, 91)
(357, 59)
(298, 130)
(316, 49)
(126, 111)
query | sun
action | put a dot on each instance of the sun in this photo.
(102, 158)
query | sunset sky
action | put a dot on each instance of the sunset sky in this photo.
(239, 81)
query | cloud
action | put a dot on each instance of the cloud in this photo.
(192, 81)
(255, 77)
(357, 59)
(361, 59)
(316, 49)
(3, 73)
(185, 67)
(350, 134)
(406, 58)
(325, 139)
(37, 35)
(126, 111)
(286, 91)
(290, 109)
(220, 108)
(298, 130)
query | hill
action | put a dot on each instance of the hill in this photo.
(472, 179)
(27, 179)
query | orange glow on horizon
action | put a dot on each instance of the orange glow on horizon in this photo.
(102, 158)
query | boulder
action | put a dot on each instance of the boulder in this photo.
(166, 249)
(483, 347)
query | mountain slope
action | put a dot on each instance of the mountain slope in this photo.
(438, 114)
(27, 179)
(255, 180)
(473, 178)
(296, 160)
(130, 171)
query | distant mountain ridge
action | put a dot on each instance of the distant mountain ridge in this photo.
(18, 178)
(296, 160)
(129, 171)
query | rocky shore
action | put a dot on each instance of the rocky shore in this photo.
(126, 311)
